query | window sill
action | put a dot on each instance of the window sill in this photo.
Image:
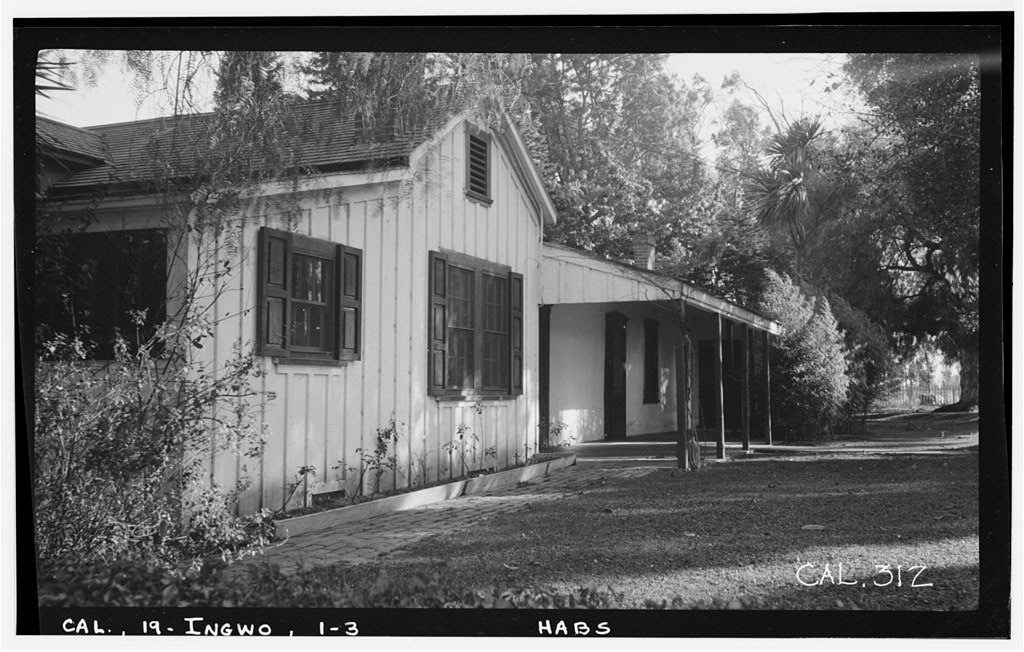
(315, 362)
(474, 398)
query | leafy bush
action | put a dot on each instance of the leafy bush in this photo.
(264, 585)
(870, 359)
(121, 455)
(809, 381)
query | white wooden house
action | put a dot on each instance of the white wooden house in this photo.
(404, 282)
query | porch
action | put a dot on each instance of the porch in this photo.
(628, 353)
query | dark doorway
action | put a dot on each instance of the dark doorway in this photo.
(615, 375)
(545, 374)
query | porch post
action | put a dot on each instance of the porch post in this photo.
(745, 384)
(728, 367)
(719, 392)
(767, 394)
(682, 404)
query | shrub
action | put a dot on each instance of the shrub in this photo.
(121, 450)
(264, 585)
(809, 381)
(869, 357)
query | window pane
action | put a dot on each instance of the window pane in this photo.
(460, 359)
(460, 298)
(495, 360)
(495, 303)
(308, 326)
(310, 278)
(438, 367)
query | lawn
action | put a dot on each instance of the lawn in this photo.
(734, 535)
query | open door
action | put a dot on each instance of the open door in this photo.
(615, 375)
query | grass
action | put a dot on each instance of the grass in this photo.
(732, 535)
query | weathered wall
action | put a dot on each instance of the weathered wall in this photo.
(321, 415)
(577, 369)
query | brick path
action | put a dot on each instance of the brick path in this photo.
(369, 539)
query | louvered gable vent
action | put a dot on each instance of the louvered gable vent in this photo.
(477, 164)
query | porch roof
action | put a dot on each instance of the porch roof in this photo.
(572, 276)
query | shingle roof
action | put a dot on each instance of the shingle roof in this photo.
(66, 138)
(318, 136)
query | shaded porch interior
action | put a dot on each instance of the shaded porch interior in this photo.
(597, 382)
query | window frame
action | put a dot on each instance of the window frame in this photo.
(483, 198)
(440, 265)
(341, 304)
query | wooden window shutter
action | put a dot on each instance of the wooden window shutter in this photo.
(515, 285)
(350, 270)
(437, 322)
(272, 290)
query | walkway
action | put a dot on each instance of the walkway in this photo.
(369, 539)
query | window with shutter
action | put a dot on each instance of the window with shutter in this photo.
(476, 328)
(309, 298)
(478, 166)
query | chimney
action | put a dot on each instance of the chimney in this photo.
(643, 252)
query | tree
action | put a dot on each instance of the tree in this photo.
(721, 247)
(869, 357)
(926, 109)
(621, 148)
(808, 361)
(793, 194)
(405, 90)
(51, 73)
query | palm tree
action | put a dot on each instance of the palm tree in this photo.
(790, 193)
(51, 74)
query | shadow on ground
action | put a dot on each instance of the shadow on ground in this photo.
(735, 532)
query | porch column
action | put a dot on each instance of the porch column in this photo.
(745, 384)
(767, 394)
(718, 390)
(728, 367)
(682, 404)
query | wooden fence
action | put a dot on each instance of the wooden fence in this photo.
(909, 396)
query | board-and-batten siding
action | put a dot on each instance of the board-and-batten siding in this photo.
(320, 415)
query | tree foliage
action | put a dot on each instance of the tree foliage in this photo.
(402, 91)
(795, 193)
(809, 366)
(869, 356)
(925, 194)
(621, 146)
